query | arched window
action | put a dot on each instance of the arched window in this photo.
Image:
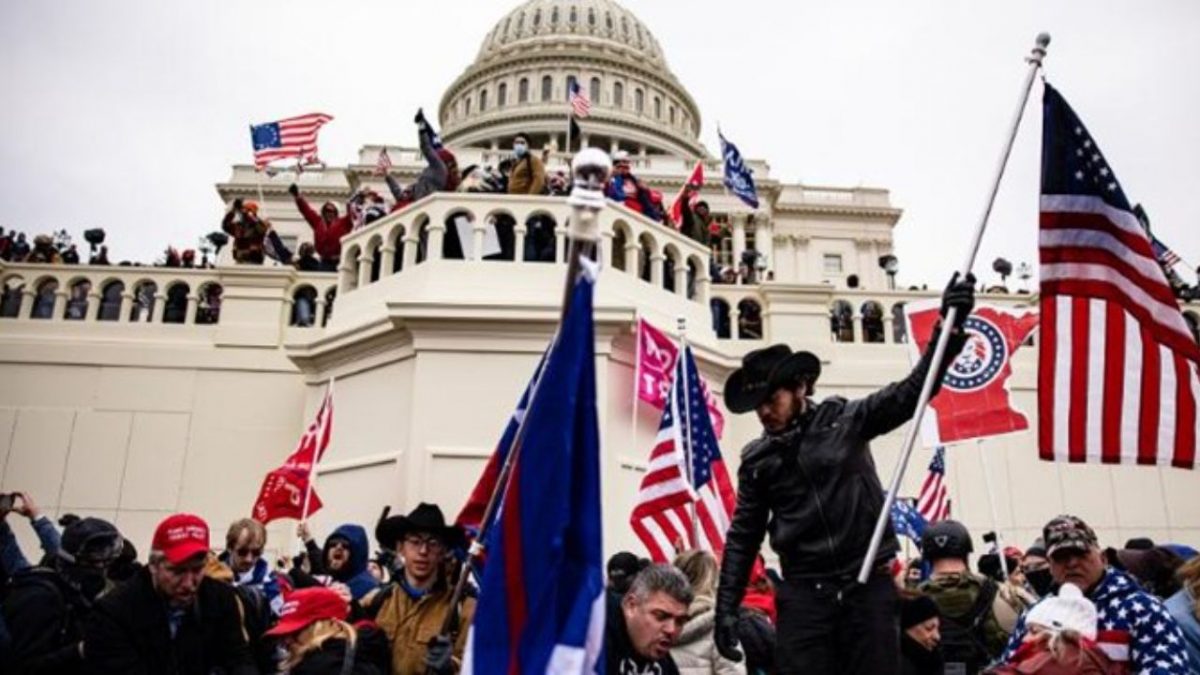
(523, 90)
(208, 307)
(618, 95)
(110, 301)
(841, 321)
(520, 21)
(143, 301)
(547, 87)
(482, 100)
(77, 300)
(594, 90)
(591, 17)
(574, 15)
(720, 317)
(657, 108)
(617, 255)
(872, 321)
(749, 320)
(502, 95)
(625, 26)
(43, 301)
(570, 83)
(899, 331)
(466, 106)
(330, 296)
(304, 307)
(175, 311)
(554, 16)
(608, 22)
(540, 238)
(10, 302)
(537, 19)
(639, 101)
(671, 114)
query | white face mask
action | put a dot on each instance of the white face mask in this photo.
(519, 149)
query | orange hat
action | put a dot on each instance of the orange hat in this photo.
(252, 207)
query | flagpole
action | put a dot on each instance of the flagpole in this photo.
(312, 469)
(987, 482)
(637, 379)
(570, 118)
(687, 424)
(1035, 63)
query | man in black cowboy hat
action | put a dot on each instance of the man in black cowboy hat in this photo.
(810, 481)
(412, 610)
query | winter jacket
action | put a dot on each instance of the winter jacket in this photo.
(693, 226)
(695, 653)
(369, 657)
(12, 559)
(1182, 606)
(528, 176)
(435, 177)
(354, 574)
(619, 657)
(1132, 626)
(45, 616)
(327, 237)
(128, 633)
(917, 660)
(411, 623)
(248, 232)
(814, 487)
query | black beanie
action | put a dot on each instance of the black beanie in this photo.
(916, 610)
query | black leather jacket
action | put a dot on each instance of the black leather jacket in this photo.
(814, 487)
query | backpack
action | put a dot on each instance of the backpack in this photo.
(963, 642)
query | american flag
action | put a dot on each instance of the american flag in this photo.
(1164, 254)
(383, 164)
(291, 137)
(1119, 372)
(934, 501)
(581, 105)
(663, 515)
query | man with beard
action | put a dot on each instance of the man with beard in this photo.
(413, 610)
(343, 559)
(46, 606)
(169, 619)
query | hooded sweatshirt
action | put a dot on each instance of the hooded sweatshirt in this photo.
(354, 574)
(695, 653)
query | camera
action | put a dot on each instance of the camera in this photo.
(8, 501)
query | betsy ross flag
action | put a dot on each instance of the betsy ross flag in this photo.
(284, 490)
(581, 105)
(933, 504)
(291, 137)
(696, 180)
(541, 601)
(383, 164)
(1119, 371)
(667, 502)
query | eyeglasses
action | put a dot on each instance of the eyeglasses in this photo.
(338, 543)
(431, 543)
(247, 551)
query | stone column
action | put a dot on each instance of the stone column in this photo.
(519, 233)
(347, 275)
(656, 268)
(160, 306)
(632, 258)
(856, 319)
(30, 302)
(190, 316)
(681, 270)
(703, 289)
(738, 222)
(60, 305)
(126, 306)
(411, 242)
(437, 231)
(319, 312)
(364, 268)
(93, 306)
(764, 241)
(387, 260)
(803, 274)
(560, 239)
(478, 229)
(888, 337)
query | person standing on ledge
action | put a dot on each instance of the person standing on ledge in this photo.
(810, 481)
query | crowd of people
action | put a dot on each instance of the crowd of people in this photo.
(55, 248)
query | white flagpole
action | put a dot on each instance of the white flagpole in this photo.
(987, 482)
(312, 469)
(686, 424)
(637, 381)
(1035, 63)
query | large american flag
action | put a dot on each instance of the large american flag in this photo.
(933, 503)
(1119, 372)
(291, 137)
(581, 105)
(662, 517)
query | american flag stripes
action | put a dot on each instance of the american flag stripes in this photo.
(934, 501)
(663, 515)
(384, 163)
(291, 137)
(1119, 371)
(1164, 254)
(581, 105)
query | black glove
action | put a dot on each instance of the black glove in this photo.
(725, 637)
(237, 204)
(294, 189)
(438, 657)
(960, 295)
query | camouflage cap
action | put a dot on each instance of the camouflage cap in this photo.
(1068, 532)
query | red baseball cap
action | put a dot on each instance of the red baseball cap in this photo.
(303, 607)
(180, 537)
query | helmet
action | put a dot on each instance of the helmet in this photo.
(946, 539)
(91, 542)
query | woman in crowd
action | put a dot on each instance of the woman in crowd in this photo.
(316, 639)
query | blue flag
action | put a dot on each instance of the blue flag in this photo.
(906, 521)
(541, 602)
(739, 179)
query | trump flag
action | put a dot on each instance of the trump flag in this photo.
(655, 365)
(974, 400)
(285, 490)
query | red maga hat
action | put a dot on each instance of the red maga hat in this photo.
(303, 607)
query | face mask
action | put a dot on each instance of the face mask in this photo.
(1040, 581)
(520, 149)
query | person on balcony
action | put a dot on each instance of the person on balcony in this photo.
(306, 258)
(328, 228)
(528, 176)
(248, 231)
(440, 173)
(625, 188)
(44, 251)
(697, 220)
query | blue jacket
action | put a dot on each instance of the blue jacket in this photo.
(1182, 606)
(1126, 613)
(11, 556)
(354, 575)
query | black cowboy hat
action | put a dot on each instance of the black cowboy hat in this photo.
(765, 370)
(425, 518)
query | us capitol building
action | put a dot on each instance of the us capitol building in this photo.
(131, 413)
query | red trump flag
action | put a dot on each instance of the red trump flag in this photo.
(974, 400)
(656, 356)
(286, 489)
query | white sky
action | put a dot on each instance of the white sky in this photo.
(124, 114)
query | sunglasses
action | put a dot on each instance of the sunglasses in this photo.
(338, 543)
(247, 551)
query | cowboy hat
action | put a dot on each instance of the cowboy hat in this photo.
(765, 370)
(424, 518)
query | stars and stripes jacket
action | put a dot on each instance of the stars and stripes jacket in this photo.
(1132, 626)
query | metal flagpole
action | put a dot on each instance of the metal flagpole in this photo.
(987, 482)
(1035, 63)
(570, 117)
(312, 469)
(637, 379)
(686, 425)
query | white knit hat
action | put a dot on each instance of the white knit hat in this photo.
(1070, 610)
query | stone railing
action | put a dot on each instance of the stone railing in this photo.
(528, 230)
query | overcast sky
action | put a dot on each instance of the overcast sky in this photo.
(123, 114)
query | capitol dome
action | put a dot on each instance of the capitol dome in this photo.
(519, 81)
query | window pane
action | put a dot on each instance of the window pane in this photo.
(833, 264)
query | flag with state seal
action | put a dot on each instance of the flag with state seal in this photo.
(974, 401)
